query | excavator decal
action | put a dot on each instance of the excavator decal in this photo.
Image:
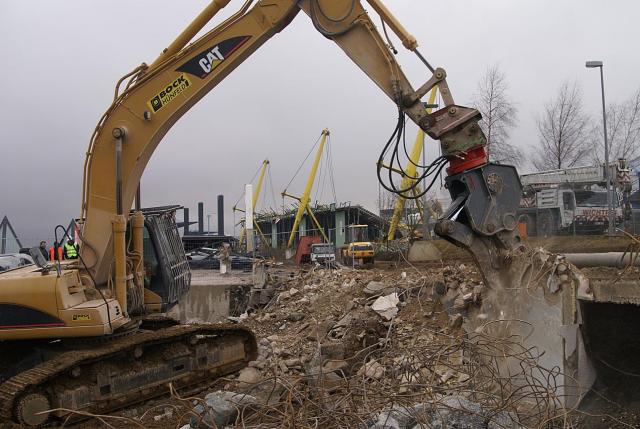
(169, 93)
(14, 316)
(206, 61)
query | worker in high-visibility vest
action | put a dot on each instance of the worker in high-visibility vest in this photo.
(70, 249)
(43, 249)
(56, 248)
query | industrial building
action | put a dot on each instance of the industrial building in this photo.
(276, 228)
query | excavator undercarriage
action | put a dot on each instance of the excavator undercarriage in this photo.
(97, 374)
(100, 376)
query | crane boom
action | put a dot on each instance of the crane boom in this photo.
(588, 175)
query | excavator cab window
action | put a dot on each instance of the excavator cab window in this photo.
(166, 268)
(151, 279)
(358, 233)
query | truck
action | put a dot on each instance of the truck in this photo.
(358, 248)
(323, 252)
(574, 200)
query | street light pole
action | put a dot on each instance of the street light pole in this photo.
(611, 217)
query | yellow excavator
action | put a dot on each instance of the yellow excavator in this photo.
(81, 334)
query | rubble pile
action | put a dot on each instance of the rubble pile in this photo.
(378, 348)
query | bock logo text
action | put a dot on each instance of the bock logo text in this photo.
(206, 61)
(80, 317)
(169, 93)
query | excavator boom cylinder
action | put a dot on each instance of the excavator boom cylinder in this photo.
(190, 32)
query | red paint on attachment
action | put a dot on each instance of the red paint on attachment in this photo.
(472, 159)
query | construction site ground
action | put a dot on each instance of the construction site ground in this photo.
(328, 359)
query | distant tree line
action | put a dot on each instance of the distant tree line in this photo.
(567, 135)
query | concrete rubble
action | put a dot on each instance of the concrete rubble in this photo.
(389, 341)
(385, 347)
(403, 346)
(220, 409)
(386, 306)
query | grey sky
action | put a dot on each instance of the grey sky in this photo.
(61, 60)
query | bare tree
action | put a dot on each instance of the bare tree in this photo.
(499, 116)
(386, 202)
(623, 131)
(563, 131)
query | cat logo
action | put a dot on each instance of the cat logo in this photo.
(81, 317)
(169, 93)
(206, 61)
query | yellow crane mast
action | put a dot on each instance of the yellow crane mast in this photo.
(305, 198)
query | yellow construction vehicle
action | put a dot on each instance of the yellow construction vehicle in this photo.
(358, 248)
(77, 335)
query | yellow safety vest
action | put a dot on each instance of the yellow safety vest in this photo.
(70, 250)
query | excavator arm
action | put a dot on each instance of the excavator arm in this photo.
(158, 95)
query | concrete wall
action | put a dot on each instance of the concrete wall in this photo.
(212, 297)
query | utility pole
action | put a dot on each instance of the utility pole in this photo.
(248, 210)
(610, 231)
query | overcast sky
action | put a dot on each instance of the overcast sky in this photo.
(61, 60)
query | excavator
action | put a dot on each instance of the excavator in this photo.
(88, 334)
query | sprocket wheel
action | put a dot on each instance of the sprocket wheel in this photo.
(28, 407)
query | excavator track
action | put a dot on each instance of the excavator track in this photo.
(124, 371)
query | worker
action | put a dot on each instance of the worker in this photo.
(224, 256)
(70, 249)
(44, 250)
(55, 249)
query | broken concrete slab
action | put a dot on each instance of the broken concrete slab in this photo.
(386, 306)
(221, 409)
(423, 251)
(374, 288)
(249, 375)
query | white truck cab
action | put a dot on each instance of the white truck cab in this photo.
(323, 252)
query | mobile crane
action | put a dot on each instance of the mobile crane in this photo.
(574, 199)
(78, 335)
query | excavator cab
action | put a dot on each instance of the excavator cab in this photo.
(166, 271)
